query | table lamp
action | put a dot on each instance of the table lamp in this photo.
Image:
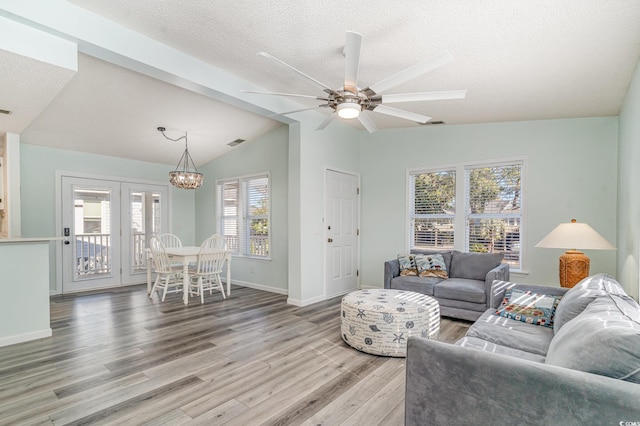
(574, 264)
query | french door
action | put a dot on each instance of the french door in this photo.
(106, 226)
(341, 252)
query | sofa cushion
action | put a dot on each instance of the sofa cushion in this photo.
(431, 265)
(479, 308)
(529, 307)
(407, 265)
(423, 285)
(604, 339)
(511, 333)
(446, 255)
(582, 294)
(483, 345)
(473, 266)
(461, 289)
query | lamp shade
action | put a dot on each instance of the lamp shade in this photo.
(577, 236)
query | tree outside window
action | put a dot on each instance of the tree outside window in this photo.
(492, 209)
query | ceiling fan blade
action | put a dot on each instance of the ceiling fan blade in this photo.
(299, 73)
(352, 61)
(424, 96)
(411, 72)
(326, 121)
(286, 94)
(297, 110)
(402, 114)
(365, 120)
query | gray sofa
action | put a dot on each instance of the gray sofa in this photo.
(584, 370)
(466, 293)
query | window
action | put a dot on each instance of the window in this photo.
(433, 209)
(243, 215)
(493, 212)
(490, 220)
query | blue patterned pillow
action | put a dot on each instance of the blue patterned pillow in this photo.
(407, 265)
(532, 308)
(431, 265)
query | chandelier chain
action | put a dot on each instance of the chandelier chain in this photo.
(183, 176)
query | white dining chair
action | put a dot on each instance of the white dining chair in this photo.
(206, 275)
(168, 278)
(216, 241)
(170, 240)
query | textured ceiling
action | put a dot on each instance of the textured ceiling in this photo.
(518, 60)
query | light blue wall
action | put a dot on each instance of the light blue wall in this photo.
(268, 153)
(336, 147)
(37, 176)
(24, 305)
(571, 173)
(628, 194)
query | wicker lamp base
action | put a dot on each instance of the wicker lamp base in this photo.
(574, 266)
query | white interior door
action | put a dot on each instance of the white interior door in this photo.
(341, 231)
(91, 227)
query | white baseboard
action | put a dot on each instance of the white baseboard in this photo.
(368, 287)
(25, 337)
(259, 287)
(305, 302)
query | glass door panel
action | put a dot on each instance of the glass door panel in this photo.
(91, 218)
(146, 217)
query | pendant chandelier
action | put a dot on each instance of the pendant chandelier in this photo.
(186, 175)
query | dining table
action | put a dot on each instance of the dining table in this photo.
(186, 255)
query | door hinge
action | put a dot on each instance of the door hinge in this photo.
(357, 272)
(358, 191)
(357, 231)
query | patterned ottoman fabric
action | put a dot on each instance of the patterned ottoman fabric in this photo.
(379, 321)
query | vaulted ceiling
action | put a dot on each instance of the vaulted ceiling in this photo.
(518, 60)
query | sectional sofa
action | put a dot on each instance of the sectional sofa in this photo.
(572, 359)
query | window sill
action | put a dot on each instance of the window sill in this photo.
(244, 257)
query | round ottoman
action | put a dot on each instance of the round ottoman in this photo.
(379, 321)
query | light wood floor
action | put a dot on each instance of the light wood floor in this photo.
(117, 357)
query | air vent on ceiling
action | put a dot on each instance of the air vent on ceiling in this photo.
(430, 123)
(5, 111)
(236, 142)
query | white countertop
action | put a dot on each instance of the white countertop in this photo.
(29, 239)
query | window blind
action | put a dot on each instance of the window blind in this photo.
(493, 210)
(433, 206)
(243, 215)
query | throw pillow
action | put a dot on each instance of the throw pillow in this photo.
(431, 265)
(532, 308)
(407, 265)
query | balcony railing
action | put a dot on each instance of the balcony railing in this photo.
(93, 254)
(139, 258)
(258, 245)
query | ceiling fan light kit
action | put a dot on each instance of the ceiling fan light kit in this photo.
(350, 102)
(348, 110)
(186, 175)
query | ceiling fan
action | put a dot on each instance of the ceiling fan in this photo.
(350, 101)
